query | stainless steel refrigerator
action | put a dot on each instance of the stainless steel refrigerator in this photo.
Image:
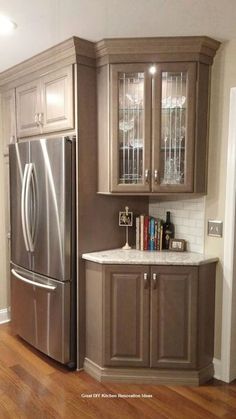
(43, 245)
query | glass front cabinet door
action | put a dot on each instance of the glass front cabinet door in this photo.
(173, 127)
(152, 127)
(130, 128)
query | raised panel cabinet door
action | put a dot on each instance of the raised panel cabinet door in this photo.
(173, 317)
(8, 119)
(57, 97)
(28, 108)
(130, 129)
(126, 316)
(173, 133)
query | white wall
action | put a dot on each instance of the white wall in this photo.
(223, 78)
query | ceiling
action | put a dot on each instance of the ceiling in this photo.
(44, 23)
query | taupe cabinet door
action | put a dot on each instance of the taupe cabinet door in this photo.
(126, 316)
(8, 119)
(46, 104)
(57, 96)
(173, 133)
(130, 128)
(173, 317)
(28, 106)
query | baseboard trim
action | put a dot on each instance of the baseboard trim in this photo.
(148, 375)
(217, 369)
(5, 315)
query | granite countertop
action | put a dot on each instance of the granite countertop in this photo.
(139, 257)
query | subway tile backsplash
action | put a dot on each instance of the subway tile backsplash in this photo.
(187, 217)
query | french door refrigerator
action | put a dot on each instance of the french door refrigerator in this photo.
(43, 245)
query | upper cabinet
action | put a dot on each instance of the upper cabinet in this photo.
(8, 119)
(45, 105)
(153, 116)
(152, 127)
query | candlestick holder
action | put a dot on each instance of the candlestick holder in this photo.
(126, 220)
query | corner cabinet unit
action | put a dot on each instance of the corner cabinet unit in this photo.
(154, 324)
(153, 114)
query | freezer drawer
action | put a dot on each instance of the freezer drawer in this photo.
(41, 313)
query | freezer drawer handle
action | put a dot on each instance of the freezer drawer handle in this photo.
(36, 284)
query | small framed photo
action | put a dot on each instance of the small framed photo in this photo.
(177, 245)
(125, 219)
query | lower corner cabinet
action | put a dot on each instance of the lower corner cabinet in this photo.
(150, 324)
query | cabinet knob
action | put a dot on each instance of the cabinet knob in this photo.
(147, 175)
(154, 281)
(145, 279)
(156, 175)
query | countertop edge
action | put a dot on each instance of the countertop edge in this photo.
(113, 261)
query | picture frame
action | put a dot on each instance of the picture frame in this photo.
(125, 219)
(177, 245)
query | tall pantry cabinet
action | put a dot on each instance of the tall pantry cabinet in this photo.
(54, 94)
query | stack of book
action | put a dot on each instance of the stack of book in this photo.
(149, 231)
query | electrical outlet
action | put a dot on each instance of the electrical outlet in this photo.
(215, 228)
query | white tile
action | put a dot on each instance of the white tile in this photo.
(196, 215)
(190, 205)
(199, 223)
(195, 248)
(178, 221)
(176, 204)
(187, 217)
(158, 213)
(182, 213)
(195, 231)
(181, 230)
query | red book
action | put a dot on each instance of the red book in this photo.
(146, 232)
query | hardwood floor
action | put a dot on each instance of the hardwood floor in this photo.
(33, 387)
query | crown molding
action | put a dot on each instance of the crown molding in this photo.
(71, 51)
(81, 51)
(200, 48)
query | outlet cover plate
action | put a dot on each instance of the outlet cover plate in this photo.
(215, 228)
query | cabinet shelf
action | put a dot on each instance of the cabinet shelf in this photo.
(131, 109)
(172, 149)
(174, 108)
(132, 148)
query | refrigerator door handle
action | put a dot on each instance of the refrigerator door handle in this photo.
(35, 203)
(23, 221)
(28, 281)
(30, 236)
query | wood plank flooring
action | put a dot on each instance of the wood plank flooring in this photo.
(34, 387)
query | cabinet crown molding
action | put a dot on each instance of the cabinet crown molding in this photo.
(78, 50)
(199, 48)
(73, 50)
